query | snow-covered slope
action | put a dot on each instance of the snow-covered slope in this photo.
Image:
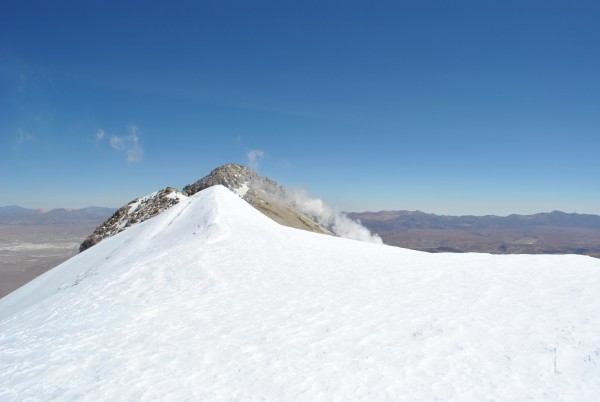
(211, 300)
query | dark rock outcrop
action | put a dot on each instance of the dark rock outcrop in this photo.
(134, 212)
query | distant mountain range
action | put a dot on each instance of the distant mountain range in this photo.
(420, 220)
(550, 233)
(15, 215)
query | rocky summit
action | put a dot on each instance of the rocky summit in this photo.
(261, 192)
(238, 179)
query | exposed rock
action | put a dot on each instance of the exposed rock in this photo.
(136, 211)
(261, 192)
(239, 179)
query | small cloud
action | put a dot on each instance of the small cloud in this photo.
(100, 135)
(135, 152)
(117, 143)
(22, 138)
(253, 157)
(130, 143)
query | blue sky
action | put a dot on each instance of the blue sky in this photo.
(447, 107)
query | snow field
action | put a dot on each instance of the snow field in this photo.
(213, 301)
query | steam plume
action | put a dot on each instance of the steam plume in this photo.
(334, 220)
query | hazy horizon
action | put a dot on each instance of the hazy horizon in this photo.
(33, 208)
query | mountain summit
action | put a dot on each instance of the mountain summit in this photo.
(211, 300)
(239, 179)
(261, 192)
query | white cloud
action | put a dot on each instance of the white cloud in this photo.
(135, 152)
(253, 157)
(117, 143)
(129, 143)
(22, 138)
(100, 135)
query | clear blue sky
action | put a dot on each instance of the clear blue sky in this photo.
(454, 107)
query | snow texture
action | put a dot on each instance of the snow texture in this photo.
(211, 300)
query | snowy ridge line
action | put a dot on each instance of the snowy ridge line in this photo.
(295, 209)
(137, 211)
(113, 249)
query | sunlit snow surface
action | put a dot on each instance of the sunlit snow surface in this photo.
(213, 301)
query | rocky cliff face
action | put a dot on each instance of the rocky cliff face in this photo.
(261, 192)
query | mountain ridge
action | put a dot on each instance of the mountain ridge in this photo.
(263, 193)
(554, 218)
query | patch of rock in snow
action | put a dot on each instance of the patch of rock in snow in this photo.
(210, 300)
(242, 190)
(142, 200)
